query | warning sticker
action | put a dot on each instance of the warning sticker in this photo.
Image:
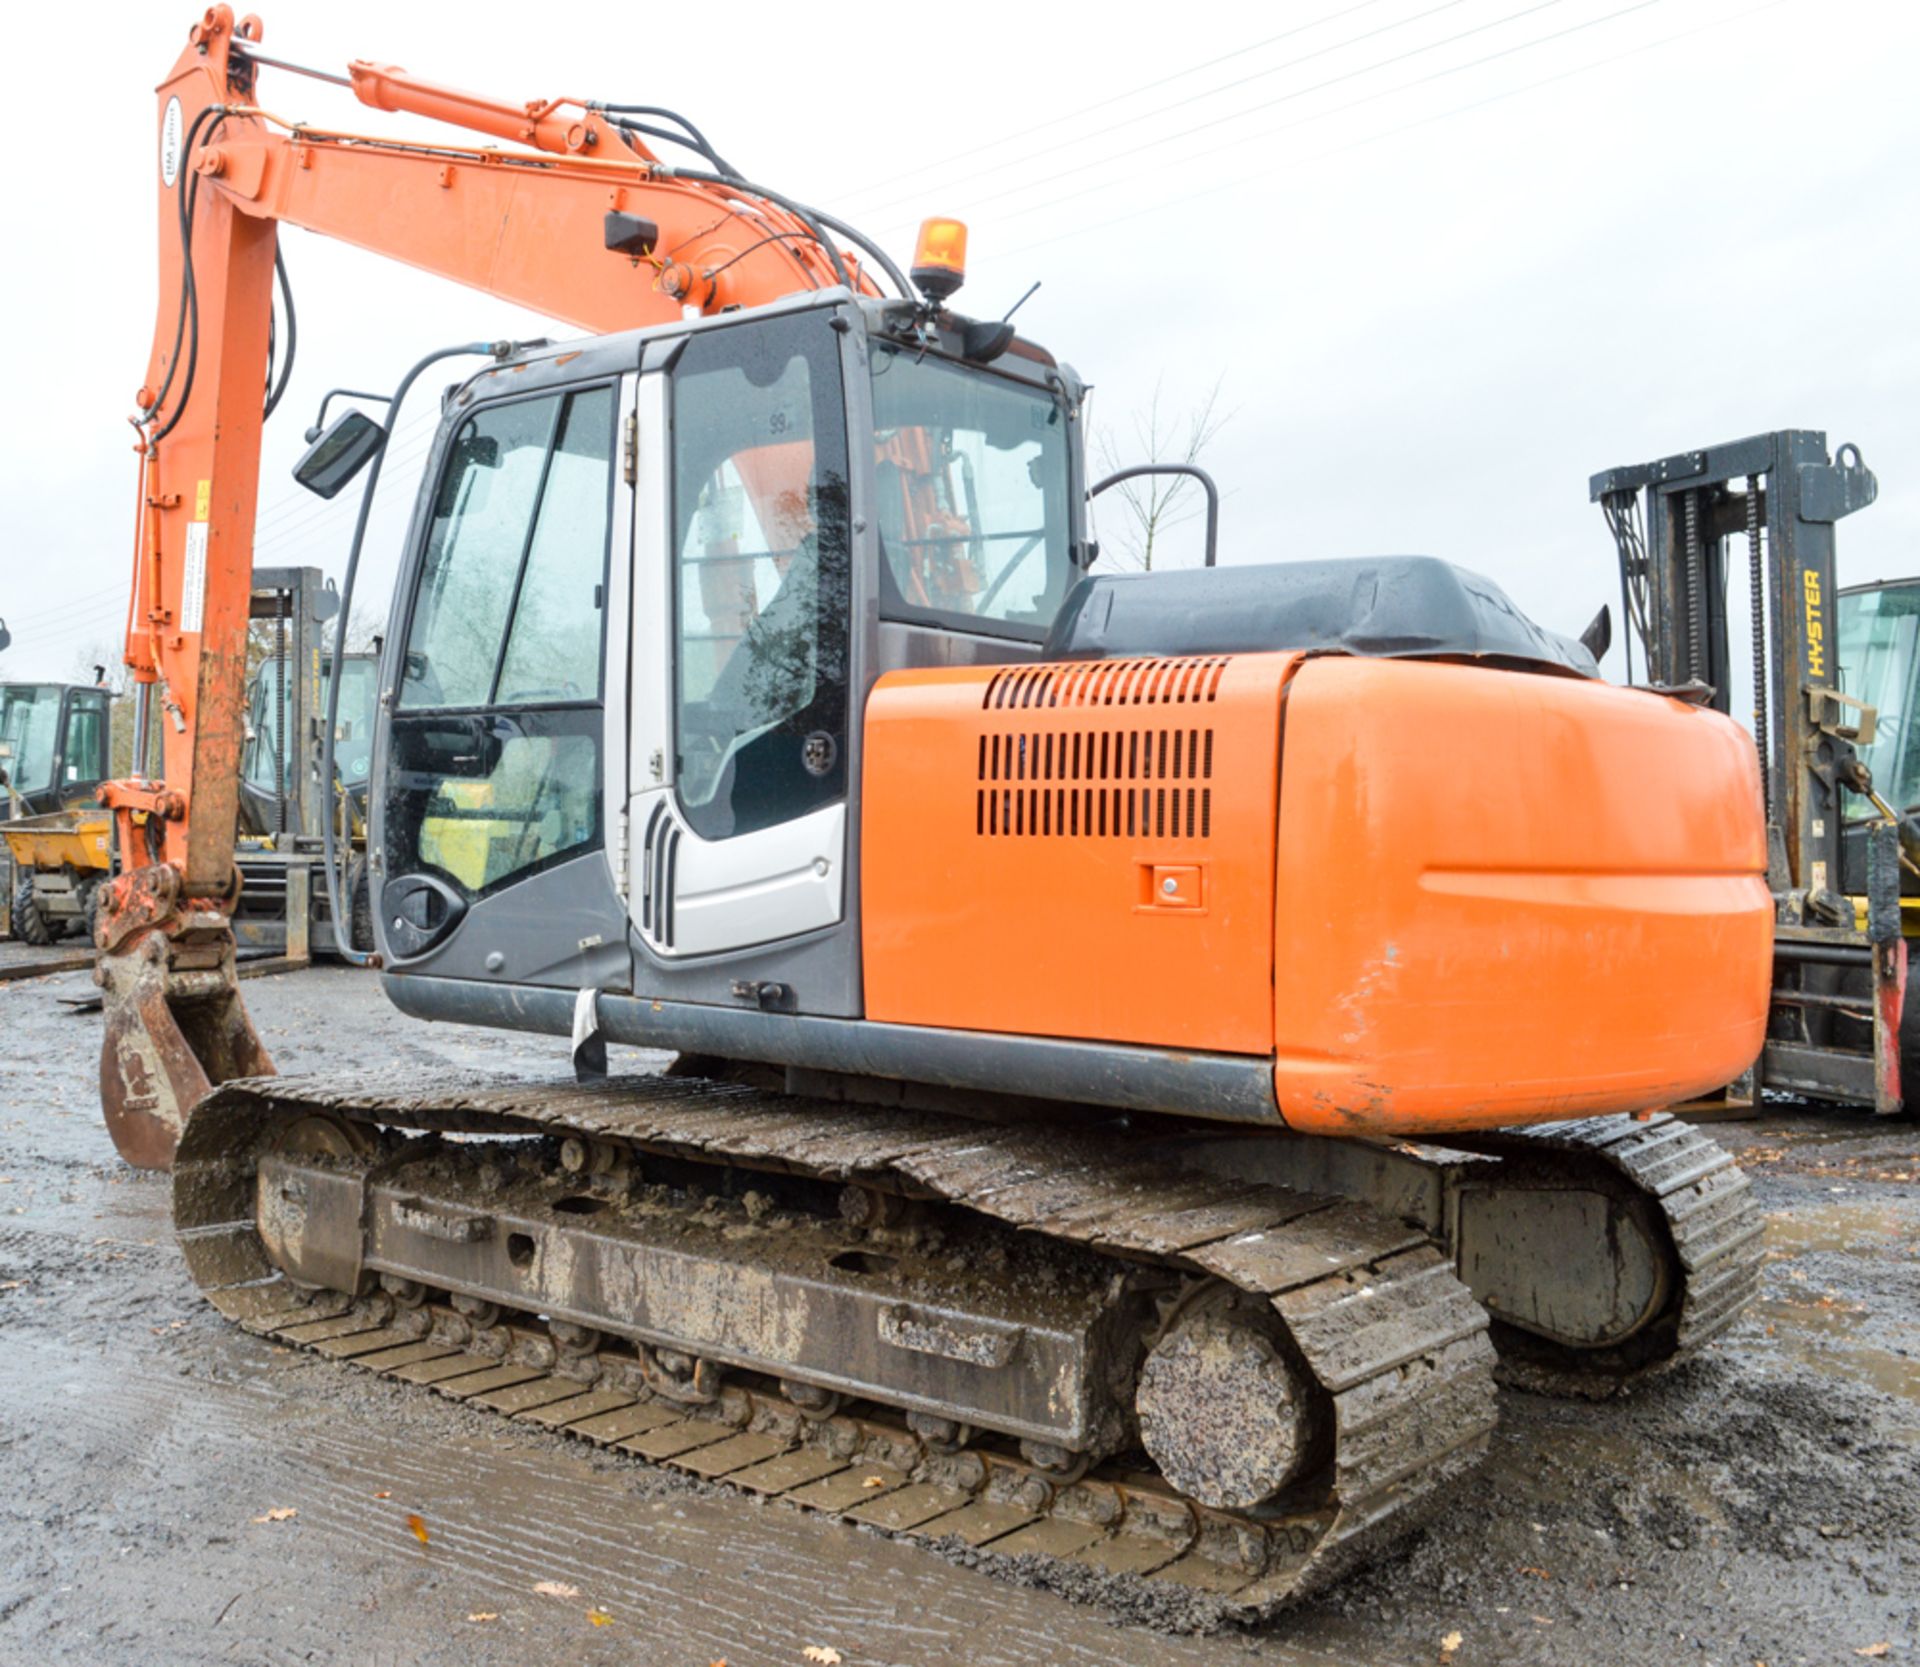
(203, 500)
(170, 139)
(193, 583)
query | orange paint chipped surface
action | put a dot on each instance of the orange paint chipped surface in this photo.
(1509, 898)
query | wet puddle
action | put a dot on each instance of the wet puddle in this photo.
(1816, 1326)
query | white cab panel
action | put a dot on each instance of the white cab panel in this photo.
(704, 897)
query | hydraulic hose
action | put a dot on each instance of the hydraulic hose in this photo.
(279, 388)
(343, 920)
(806, 216)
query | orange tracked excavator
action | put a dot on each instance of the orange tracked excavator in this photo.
(1110, 1008)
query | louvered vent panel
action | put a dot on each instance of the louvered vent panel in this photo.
(1096, 784)
(661, 848)
(1163, 682)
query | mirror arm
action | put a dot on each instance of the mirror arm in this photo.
(320, 422)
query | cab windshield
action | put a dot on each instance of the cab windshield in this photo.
(972, 484)
(1880, 664)
(29, 730)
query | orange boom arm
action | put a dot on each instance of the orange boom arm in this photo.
(532, 227)
(573, 217)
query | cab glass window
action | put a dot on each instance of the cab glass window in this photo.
(971, 477)
(263, 760)
(495, 763)
(761, 544)
(30, 730)
(485, 798)
(508, 608)
(353, 722)
(1880, 664)
(85, 757)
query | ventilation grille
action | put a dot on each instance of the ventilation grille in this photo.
(1097, 784)
(662, 850)
(1107, 683)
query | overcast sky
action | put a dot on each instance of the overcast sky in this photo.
(1445, 260)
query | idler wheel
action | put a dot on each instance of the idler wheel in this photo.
(1224, 1412)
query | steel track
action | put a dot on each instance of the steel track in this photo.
(1394, 1343)
(1705, 1206)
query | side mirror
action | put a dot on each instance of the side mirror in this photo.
(6, 636)
(342, 450)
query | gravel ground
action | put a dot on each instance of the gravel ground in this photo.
(1759, 1506)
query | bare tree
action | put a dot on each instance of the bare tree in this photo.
(1155, 504)
(365, 629)
(102, 663)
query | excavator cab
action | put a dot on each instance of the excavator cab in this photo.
(748, 670)
(683, 807)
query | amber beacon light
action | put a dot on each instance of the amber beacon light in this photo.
(940, 258)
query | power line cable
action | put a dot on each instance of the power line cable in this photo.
(1257, 75)
(300, 498)
(78, 630)
(84, 613)
(66, 605)
(1322, 115)
(1239, 182)
(1120, 156)
(326, 512)
(973, 151)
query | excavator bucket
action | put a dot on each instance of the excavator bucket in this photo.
(175, 1024)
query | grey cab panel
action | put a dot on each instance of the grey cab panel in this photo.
(649, 586)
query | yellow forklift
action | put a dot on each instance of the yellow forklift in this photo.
(283, 907)
(56, 748)
(1832, 704)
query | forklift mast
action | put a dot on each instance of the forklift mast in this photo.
(1839, 970)
(279, 770)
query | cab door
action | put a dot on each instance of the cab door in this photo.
(739, 820)
(84, 744)
(491, 820)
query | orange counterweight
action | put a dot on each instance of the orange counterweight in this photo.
(1510, 898)
(1437, 896)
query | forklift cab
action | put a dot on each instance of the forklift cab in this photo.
(278, 770)
(1879, 666)
(55, 745)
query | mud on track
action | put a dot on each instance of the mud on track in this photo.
(1761, 1505)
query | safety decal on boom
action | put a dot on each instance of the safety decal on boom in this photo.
(170, 137)
(193, 581)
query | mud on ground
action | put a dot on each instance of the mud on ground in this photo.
(1762, 1505)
